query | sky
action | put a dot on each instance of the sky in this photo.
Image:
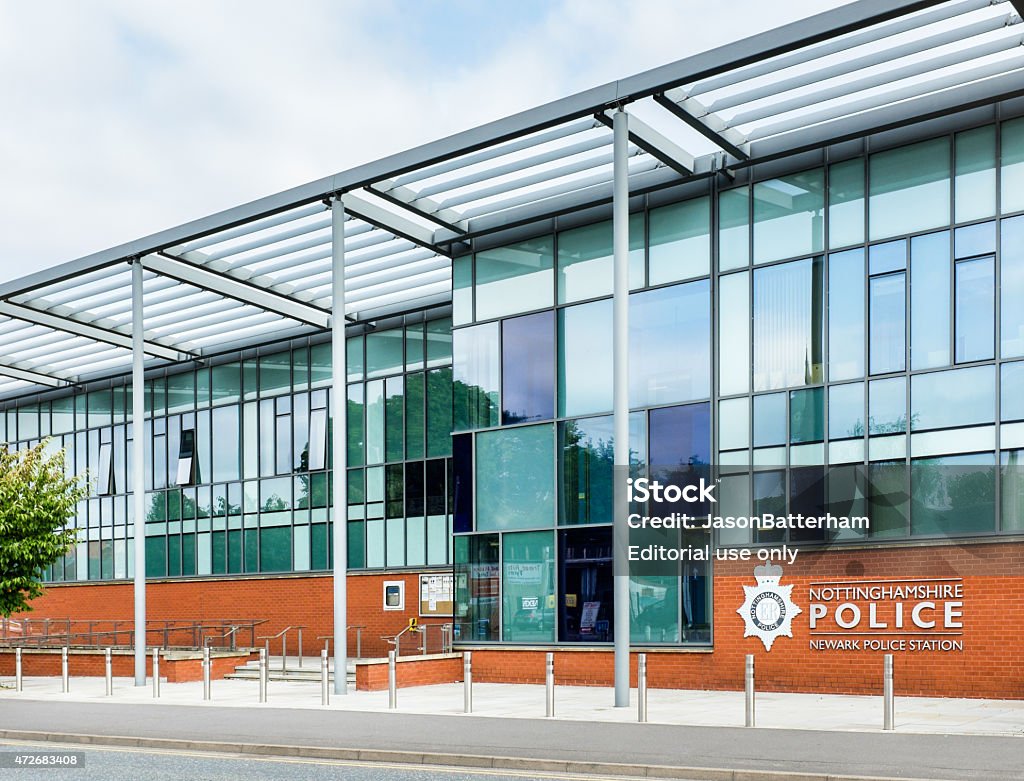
(122, 118)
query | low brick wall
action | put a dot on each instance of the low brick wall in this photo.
(372, 675)
(175, 667)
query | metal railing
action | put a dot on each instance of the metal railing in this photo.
(444, 646)
(359, 640)
(120, 633)
(283, 634)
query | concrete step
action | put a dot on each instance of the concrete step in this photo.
(243, 674)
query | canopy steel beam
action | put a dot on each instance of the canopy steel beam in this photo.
(709, 125)
(31, 375)
(422, 207)
(247, 293)
(655, 144)
(376, 214)
(71, 325)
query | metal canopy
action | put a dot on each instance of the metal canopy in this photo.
(262, 270)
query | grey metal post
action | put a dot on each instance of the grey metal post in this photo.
(300, 646)
(392, 681)
(339, 445)
(325, 690)
(108, 672)
(748, 688)
(549, 684)
(423, 647)
(206, 672)
(156, 672)
(620, 398)
(64, 678)
(18, 682)
(138, 473)
(467, 681)
(887, 693)
(359, 643)
(263, 675)
(641, 687)
(284, 652)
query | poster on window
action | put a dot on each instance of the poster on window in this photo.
(437, 594)
(589, 617)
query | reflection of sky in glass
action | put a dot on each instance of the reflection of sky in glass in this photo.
(788, 324)
(528, 368)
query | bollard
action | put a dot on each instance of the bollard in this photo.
(748, 688)
(156, 672)
(18, 683)
(64, 680)
(887, 693)
(108, 672)
(549, 683)
(467, 681)
(263, 675)
(206, 672)
(325, 690)
(641, 688)
(300, 647)
(284, 652)
(392, 682)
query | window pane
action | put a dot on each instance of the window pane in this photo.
(846, 203)
(909, 189)
(414, 415)
(929, 301)
(585, 260)
(439, 412)
(528, 368)
(807, 415)
(584, 359)
(846, 411)
(375, 422)
(227, 383)
(414, 346)
(733, 424)
(680, 446)
(734, 333)
(788, 216)
(959, 397)
(1012, 150)
(586, 572)
(953, 494)
(320, 362)
(1012, 491)
(788, 324)
(385, 352)
(276, 549)
(887, 317)
(439, 342)
(476, 371)
(734, 228)
(394, 418)
(585, 458)
(891, 256)
(1011, 394)
(887, 406)
(225, 444)
(462, 290)
(515, 472)
(1011, 285)
(528, 587)
(975, 187)
(680, 241)
(355, 426)
(845, 315)
(476, 588)
(975, 309)
(275, 373)
(888, 508)
(669, 344)
(353, 360)
(770, 420)
(514, 279)
(974, 240)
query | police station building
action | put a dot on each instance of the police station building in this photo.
(791, 267)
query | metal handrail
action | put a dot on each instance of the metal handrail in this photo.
(359, 639)
(283, 634)
(165, 628)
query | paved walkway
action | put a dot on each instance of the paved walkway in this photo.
(574, 703)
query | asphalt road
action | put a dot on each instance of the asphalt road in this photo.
(97, 764)
(952, 757)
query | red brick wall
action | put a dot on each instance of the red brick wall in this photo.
(409, 672)
(282, 601)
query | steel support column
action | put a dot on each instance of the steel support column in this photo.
(339, 441)
(620, 398)
(138, 473)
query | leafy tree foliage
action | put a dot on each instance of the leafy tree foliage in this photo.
(36, 501)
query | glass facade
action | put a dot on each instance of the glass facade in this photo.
(862, 316)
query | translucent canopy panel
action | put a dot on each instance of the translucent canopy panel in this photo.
(263, 270)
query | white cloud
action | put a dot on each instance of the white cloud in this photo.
(124, 118)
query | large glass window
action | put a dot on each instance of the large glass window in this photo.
(846, 315)
(462, 290)
(1011, 517)
(584, 359)
(807, 415)
(475, 376)
(909, 189)
(585, 611)
(680, 241)
(770, 420)
(1012, 153)
(585, 260)
(929, 301)
(585, 459)
(516, 278)
(734, 228)
(528, 587)
(515, 478)
(887, 319)
(670, 344)
(846, 203)
(477, 586)
(958, 397)
(887, 406)
(1011, 284)
(734, 333)
(528, 368)
(975, 309)
(226, 445)
(789, 216)
(846, 411)
(788, 324)
(1011, 397)
(953, 494)
(975, 185)
(385, 352)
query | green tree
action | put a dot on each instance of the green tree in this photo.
(36, 501)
